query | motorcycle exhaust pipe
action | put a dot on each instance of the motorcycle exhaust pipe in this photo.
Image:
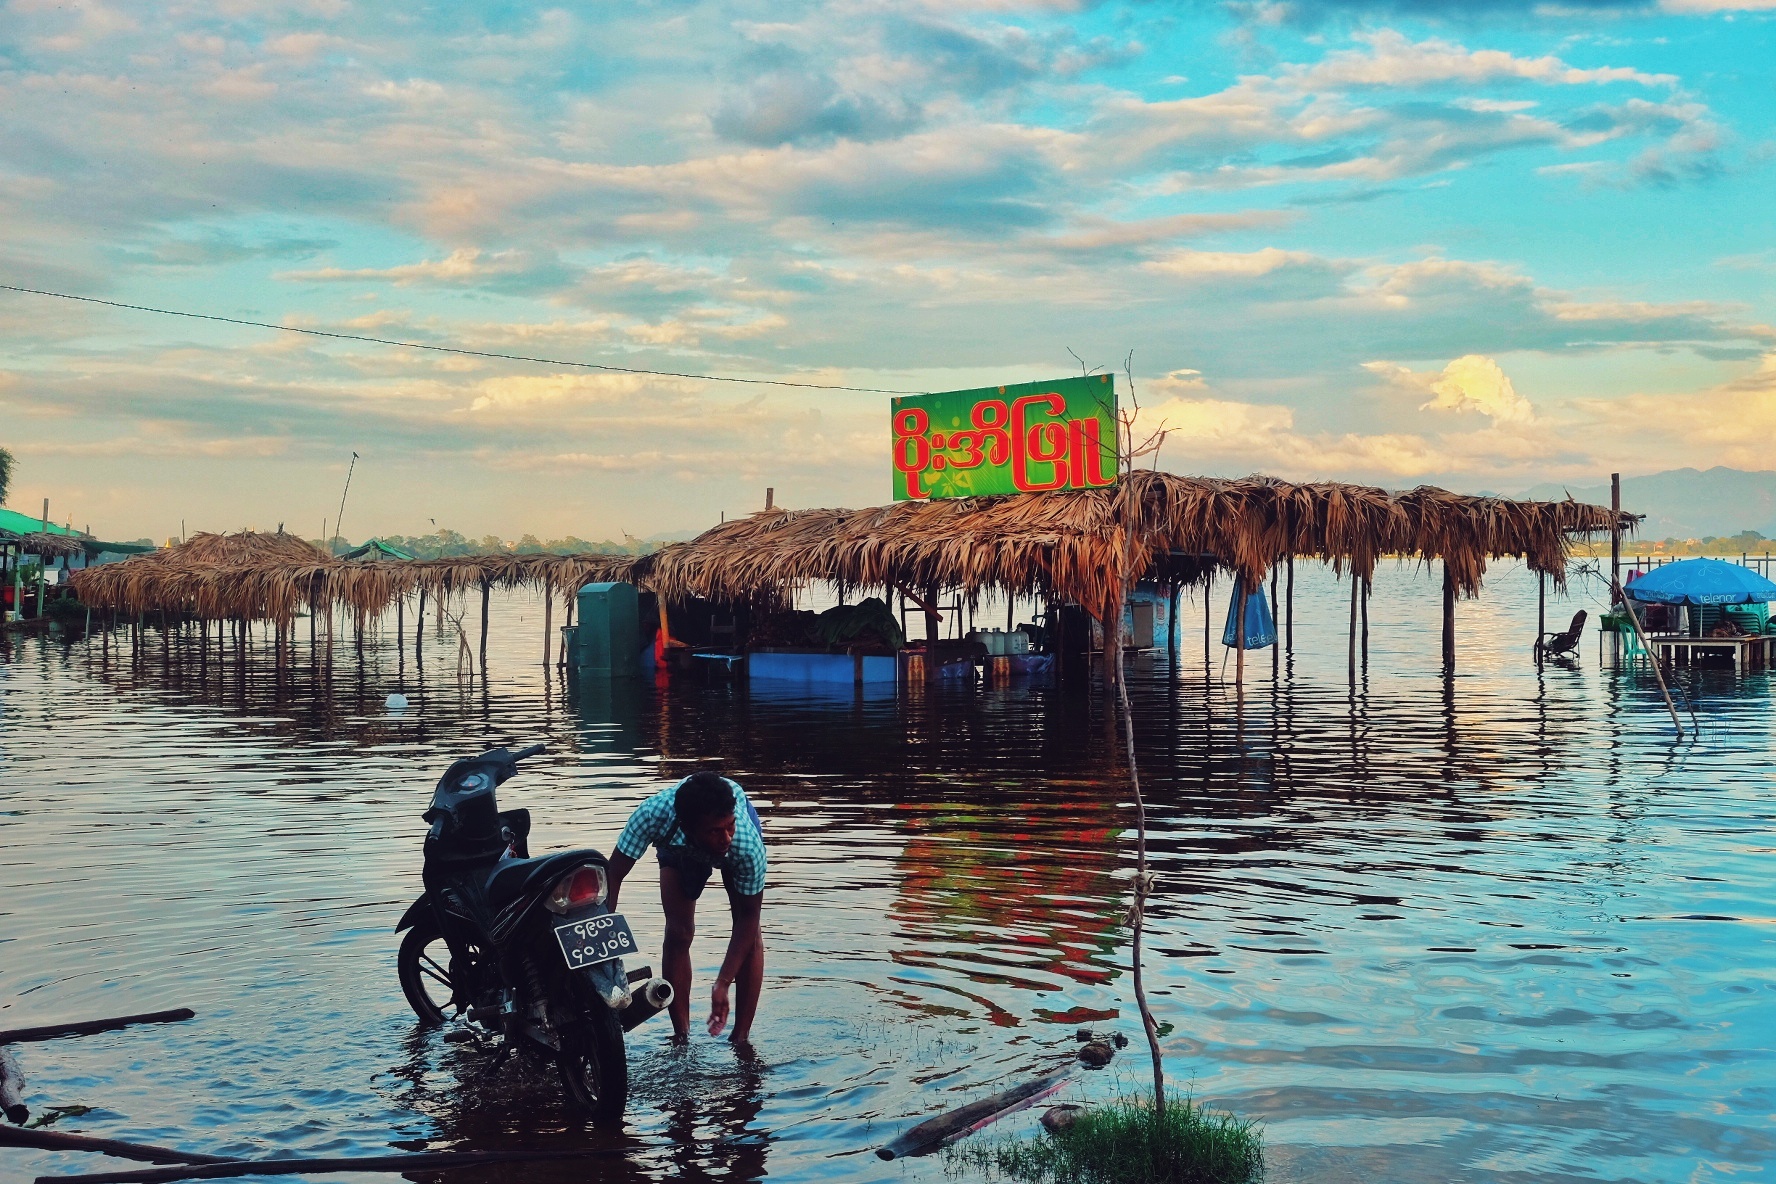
(651, 998)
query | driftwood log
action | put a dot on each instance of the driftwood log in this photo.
(87, 1027)
(12, 1089)
(62, 1141)
(413, 1162)
(951, 1125)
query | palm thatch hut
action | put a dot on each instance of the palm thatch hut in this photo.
(253, 576)
(1092, 546)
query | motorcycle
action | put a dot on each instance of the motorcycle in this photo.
(518, 948)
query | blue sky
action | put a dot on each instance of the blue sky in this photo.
(1481, 245)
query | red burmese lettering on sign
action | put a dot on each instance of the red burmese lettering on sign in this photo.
(1088, 454)
(909, 428)
(1026, 442)
(991, 431)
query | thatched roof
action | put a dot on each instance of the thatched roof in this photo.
(1086, 545)
(275, 576)
(47, 546)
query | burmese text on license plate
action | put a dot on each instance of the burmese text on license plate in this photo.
(595, 940)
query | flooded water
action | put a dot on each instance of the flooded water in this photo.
(1500, 928)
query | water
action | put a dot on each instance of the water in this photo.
(1502, 929)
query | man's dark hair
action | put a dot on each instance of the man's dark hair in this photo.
(702, 797)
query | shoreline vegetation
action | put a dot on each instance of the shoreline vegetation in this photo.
(1746, 542)
(447, 544)
(1119, 1143)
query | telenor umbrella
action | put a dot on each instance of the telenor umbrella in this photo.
(1702, 581)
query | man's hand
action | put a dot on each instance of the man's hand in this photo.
(718, 1008)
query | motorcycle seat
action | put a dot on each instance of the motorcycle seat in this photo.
(513, 879)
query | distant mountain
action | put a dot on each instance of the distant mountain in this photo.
(1686, 503)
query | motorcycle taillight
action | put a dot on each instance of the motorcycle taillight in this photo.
(579, 888)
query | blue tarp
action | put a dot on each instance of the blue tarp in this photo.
(1260, 629)
(1702, 581)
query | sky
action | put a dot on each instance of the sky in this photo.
(1479, 244)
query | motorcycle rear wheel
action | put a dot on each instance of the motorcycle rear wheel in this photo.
(423, 966)
(594, 1065)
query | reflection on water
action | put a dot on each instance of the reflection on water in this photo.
(1498, 928)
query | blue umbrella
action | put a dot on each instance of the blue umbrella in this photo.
(1702, 581)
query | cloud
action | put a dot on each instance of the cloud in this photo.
(1229, 264)
(799, 108)
(1392, 60)
(1469, 383)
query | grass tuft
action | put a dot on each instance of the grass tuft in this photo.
(1120, 1144)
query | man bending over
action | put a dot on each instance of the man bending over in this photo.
(702, 823)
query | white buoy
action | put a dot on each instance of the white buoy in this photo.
(397, 701)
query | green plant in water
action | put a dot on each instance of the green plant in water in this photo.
(1122, 1144)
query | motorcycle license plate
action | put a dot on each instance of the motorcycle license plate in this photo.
(595, 940)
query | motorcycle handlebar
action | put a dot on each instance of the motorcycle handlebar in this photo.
(533, 750)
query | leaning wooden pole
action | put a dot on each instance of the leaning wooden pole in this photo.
(1143, 883)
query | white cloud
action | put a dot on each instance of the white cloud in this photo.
(1217, 264)
(1471, 382)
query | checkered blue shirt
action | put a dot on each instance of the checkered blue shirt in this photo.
(655, 822)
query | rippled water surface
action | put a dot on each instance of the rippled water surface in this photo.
(1500, 928)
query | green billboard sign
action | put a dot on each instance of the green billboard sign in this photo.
(1022, 438)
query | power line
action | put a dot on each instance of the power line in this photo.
(450, 349)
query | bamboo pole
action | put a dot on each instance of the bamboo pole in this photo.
(548, 623)
(44, 1140)
(88, 1027)
(419, 624)
(426, 1161)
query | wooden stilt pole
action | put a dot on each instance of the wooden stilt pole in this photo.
(486, 597)
(1172, 629)
(1356, 585)
(1276, 651)
(1239, 638)
(1541, 613)
(1368, 587)
(419, 625)
(1448, 619)
(548, 623)
(1112, 625)
(1289, 616)
(933, 627)
(1208, 621)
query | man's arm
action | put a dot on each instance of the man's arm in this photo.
(744, 962)
(620, 866)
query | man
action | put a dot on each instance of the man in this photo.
(702, 823)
